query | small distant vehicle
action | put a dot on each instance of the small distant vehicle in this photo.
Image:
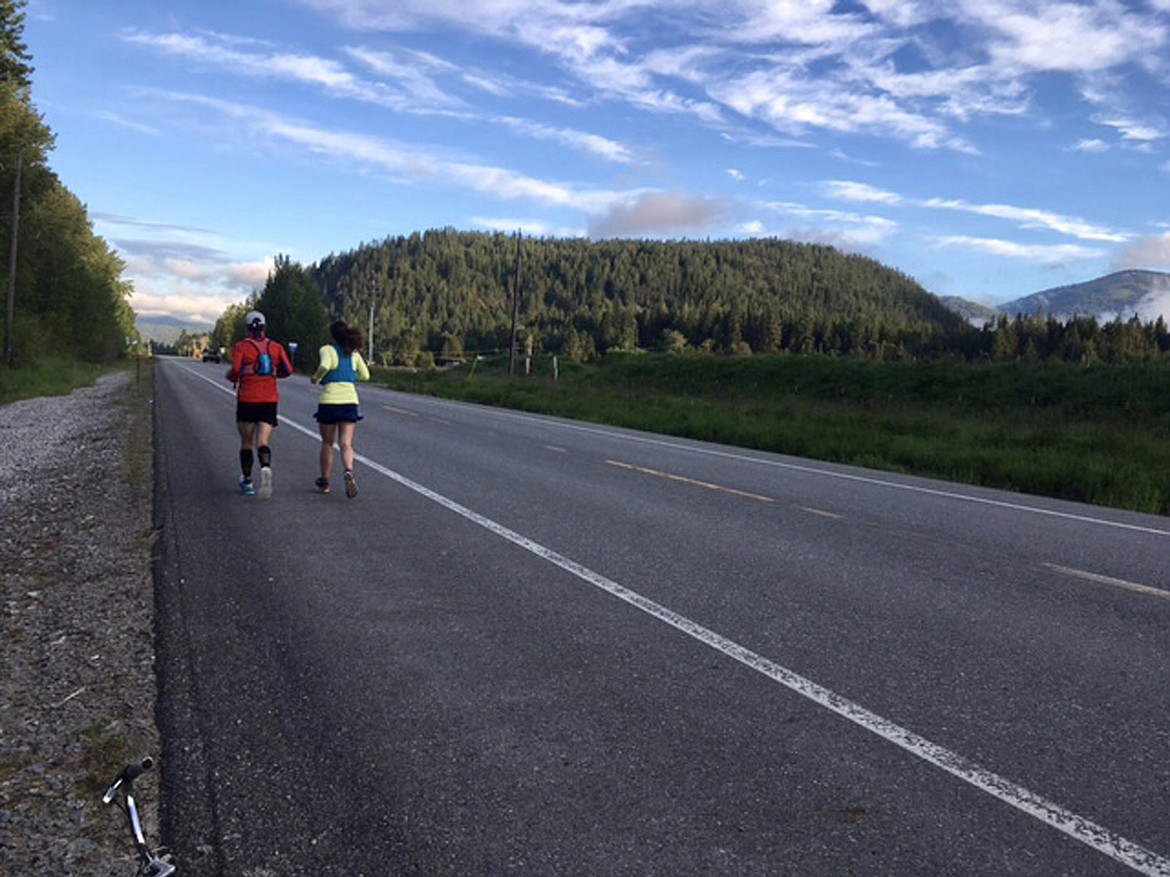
(212, 355)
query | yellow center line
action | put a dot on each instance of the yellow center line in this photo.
(1108, 580)
(683, 480)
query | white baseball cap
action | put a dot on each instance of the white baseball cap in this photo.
(253, 318)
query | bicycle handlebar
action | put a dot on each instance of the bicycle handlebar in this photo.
(129, 774)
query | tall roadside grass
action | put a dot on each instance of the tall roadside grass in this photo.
(48, 377)
(1098, 435)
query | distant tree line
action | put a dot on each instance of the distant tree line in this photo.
(450, 294)
(1080, 339)
(68, 298)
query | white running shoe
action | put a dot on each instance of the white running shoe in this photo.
(265, 490)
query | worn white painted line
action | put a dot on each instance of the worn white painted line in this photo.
(1099, 838)
(820, 512)
(1109, 580)
(1103, 840)
(404, 412)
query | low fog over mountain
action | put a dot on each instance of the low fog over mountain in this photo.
(1124, 294)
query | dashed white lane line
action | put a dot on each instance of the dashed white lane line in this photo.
(821, 512)
(1103, 840)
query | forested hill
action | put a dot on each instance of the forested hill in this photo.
(451, 292)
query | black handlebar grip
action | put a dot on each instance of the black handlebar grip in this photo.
(134, 771)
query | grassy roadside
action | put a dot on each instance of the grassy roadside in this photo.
(50, 377)
(1099, 435)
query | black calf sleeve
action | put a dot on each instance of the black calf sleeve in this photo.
(246, 462)
(265, 454)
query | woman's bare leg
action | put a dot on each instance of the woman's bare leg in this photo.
(328, 434)
(345, 440)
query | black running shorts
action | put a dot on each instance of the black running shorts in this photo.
(256, 412)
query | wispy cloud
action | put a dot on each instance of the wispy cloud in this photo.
(847, 190)
(851, 231)
(407, 83)
(1024, 217)
(1028, 217)
(122, 122)
(1044, 254)
(603, 147)
(323, 73)
(410, 163)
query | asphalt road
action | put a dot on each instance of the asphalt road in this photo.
(539, 647)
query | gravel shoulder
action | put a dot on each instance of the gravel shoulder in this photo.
(77, 681)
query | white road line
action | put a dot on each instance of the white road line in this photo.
(821, 512)
(828, 473)
(1099, 838)
(1084, 830)
(1109, 580)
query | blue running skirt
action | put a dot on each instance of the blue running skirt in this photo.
(337, 414)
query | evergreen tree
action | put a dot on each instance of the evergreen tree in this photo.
(15, 62)
(293, 308)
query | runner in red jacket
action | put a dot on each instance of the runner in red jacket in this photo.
(257, 363)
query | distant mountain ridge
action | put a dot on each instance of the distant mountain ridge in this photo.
(1124, 294)
(166, 330)
(1121, 295)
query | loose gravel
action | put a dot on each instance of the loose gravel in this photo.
(77, 684)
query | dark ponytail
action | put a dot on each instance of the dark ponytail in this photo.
(349, 338)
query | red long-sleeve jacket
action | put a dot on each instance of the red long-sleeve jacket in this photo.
(251, 387)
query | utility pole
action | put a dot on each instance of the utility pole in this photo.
(10, 319)
(515, 309)
(370, 336)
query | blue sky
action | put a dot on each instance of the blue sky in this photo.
(987, 148)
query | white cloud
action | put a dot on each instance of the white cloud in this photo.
(306, 69)
(847, 190)
(190, 306)
(851, 231)
(1132, 129)
(1091, 145)
(1067, 36)
(602, 147)
(1039, 253)
(1029, 217)
(416, 163)
(806, 67)
(791, 103)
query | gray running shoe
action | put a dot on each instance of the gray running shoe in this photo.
(265, 490)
